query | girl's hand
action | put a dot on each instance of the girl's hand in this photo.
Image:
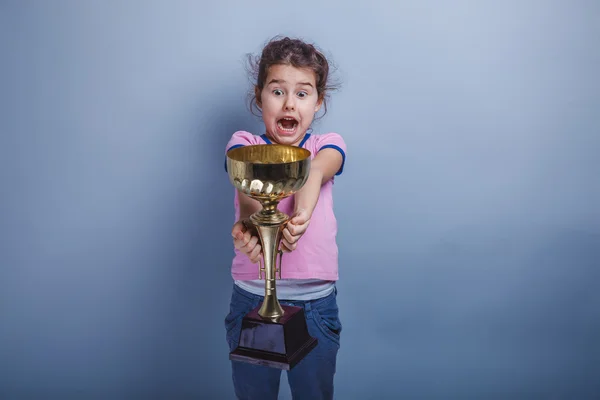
(294, 230)
(246, 242)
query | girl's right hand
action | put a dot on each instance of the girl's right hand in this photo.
(246, 242)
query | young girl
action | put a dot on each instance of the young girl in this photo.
(291, 87)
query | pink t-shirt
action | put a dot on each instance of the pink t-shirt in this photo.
(316, 256)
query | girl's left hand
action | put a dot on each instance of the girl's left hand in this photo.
(294, 230)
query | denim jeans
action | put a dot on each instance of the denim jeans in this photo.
(312, 377)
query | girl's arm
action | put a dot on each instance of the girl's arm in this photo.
(323, 167)
(248, 205)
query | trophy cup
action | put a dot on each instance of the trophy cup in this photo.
(272, 335)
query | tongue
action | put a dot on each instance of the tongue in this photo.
(287, 124)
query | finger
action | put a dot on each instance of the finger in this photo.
(238, 243)
(246, 237)
(242, 242)
(289, 229)
(291, 246)
(298, 229)
(288, 237)
(300, 217)
(241, 234)
(302, 227)
(250, 245)
(287, 247)
(238, 230)
(255, 254)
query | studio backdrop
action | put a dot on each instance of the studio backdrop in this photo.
(468, 215)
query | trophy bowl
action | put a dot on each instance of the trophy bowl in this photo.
(268, 172)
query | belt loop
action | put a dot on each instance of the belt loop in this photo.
(308, 309)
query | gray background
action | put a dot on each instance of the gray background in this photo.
(468, 210)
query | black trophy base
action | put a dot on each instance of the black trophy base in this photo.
(280, 344)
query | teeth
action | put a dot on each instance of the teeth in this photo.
(286, 129)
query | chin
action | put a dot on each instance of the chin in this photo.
(288, 140)
(285, 139)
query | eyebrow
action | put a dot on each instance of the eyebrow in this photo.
(283, 81)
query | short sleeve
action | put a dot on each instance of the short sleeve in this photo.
(333, 141)
(239, 139)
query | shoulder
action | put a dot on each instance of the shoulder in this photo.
(327, 140)
(330, 139)
(239, 139)
(242, 138)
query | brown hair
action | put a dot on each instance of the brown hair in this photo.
(294, 52)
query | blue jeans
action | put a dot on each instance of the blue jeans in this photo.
(312, 377)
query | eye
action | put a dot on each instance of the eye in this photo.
(277, 92)
(302, 94)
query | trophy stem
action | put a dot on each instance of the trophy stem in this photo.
(270, 230)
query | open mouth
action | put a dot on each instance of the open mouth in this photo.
(287, 124)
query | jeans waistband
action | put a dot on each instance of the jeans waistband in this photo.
(306, 304)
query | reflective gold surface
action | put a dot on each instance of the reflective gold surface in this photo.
(269, 173)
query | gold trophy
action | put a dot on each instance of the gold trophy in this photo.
(271, 334)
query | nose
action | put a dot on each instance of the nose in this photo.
(290, 103)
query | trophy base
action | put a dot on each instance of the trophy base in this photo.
(280, 344)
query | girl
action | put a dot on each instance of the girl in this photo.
(291, 87)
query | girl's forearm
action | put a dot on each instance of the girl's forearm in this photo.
(307, 197)
(323, 168)
(248, 205)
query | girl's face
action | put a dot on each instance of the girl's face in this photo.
(289, 101)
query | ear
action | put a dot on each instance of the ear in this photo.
(257, 95)
(319, 104)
